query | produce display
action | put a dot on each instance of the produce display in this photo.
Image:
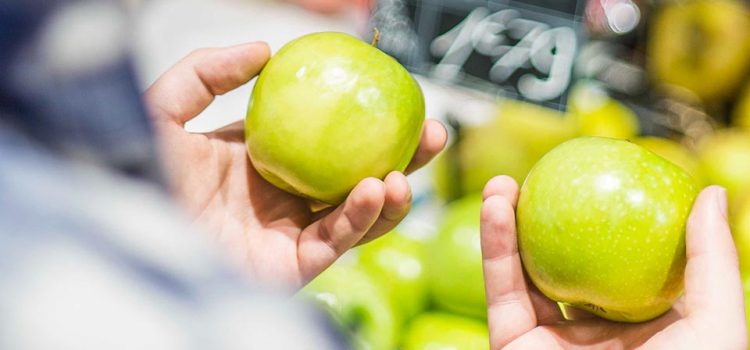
(609, 167)
(720, 28)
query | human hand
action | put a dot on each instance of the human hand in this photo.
(710, 315)
(271, 234)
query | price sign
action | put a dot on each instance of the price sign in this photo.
(517, 50)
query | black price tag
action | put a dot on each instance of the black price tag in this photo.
(520, 50)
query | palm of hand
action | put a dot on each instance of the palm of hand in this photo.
(258, 225)
(670, 331)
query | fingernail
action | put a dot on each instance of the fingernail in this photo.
(721, 201)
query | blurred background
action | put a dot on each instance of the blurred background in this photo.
(511, 80)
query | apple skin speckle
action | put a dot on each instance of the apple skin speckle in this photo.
(601, 226)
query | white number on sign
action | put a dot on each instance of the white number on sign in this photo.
(512, 43)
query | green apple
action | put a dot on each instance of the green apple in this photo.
(597, 114)
(725, 160)
(538, 129)
(455, 260)
(329, 110)
(601, 226)
(510, 144)
(740, 221)
(399, 264)
(464, 167)
(358, 304)
(439, 331)
(673, 152)
(701, 46)
(468, 164)
(741, 112)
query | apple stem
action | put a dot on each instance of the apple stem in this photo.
(375, 37)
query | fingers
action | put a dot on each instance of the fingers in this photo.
(713, 288)
(397, 205)
(503, 186)
(433, 139)
(510, 312)
(321, 243)
(189, 86)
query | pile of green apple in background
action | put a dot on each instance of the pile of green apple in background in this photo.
(399, 292)
(407, 293)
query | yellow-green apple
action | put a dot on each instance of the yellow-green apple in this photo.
(455, 260)
(329, 110)
(601, 227)
(701, 46)
(740, 221)
(509, 144)
(673, 152)
(538, 128)
(398, 262)
(597, 114)
(440, 331)
(358, 304)
(725, 161)
(479, 155)
(741, 112)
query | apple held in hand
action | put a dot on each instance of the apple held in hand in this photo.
(673, 152)
(601, 226)
(438, 331)
(329, 110)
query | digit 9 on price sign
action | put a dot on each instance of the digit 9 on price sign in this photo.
(518, 50)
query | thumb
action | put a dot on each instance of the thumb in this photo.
(713, 288)
(190, 86)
